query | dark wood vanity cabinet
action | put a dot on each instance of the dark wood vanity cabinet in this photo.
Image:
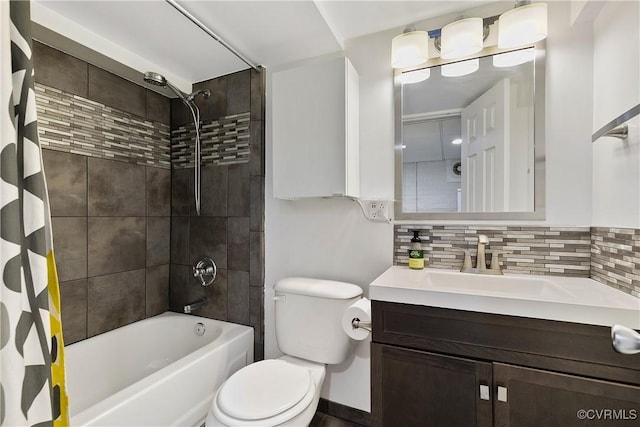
(434, 367)
(416, 388)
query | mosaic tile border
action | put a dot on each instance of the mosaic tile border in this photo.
(615, 258)
(224, 141)
(532, 250)
(77, 125)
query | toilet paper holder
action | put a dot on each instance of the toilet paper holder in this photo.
(358, 324)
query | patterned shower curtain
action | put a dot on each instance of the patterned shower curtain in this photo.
(32, 391)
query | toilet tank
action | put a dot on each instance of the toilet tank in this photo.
(309, 315)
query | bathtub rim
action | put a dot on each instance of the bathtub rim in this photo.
(232, 331)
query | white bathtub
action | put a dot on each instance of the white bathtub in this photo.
(155, 372)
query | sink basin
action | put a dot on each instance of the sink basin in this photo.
(571, 299)
(525, 287)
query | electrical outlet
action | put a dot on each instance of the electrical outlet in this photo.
(377, 210)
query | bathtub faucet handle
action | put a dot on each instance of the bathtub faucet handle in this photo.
(206, 271)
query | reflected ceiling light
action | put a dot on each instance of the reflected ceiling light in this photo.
(523, 25)
(461, 38)
(409, 49)
(462, 68)
(456, 141)
(514, 58)
(415, 76)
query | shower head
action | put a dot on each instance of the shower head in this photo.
(158, 79)
(155, 79)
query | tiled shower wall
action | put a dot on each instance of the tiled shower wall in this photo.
(106, 158)
(230, 228)
(568, 251)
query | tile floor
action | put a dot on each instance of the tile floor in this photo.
(324, 420)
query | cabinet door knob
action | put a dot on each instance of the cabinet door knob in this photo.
(502, 394)
(484, 392)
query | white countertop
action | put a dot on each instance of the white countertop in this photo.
(569, 299)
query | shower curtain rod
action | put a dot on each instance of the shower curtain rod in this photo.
(213, 35)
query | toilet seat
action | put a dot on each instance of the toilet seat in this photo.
(269, 392)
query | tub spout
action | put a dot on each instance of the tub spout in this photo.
(196, 305)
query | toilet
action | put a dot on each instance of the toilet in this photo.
(286, 391)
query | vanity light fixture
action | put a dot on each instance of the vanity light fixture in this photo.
(461, 68)
(410, 48)
(456, 141)
(510, 59)
(415, 76)
(461, 38)
(523, 25)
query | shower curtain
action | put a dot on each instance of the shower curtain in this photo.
(32, 391)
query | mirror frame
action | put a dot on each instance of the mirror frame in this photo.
(538, 137)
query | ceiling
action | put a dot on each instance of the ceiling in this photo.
(144, 34)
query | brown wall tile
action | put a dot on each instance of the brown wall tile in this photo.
(216, 105)
(208, 237)
(158, 107)
(256, 258)
(238, 197)
(180, 114)
(257, 203)
(116, 92)
(116, 244)
(180, 240)
(182, 192)
(238, 297)
(256, 141)
(116, 188)
(238, 244)
(158, 240)
(158, 189)
(66, 176)
(157, 290)
(115, 300)
(238, 92)
(214, 190)
(70, 246)
(257, 94)
(256, 319)
(57, 69)
(73, 302)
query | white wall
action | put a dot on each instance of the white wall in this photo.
(330, 238)
(616, 163)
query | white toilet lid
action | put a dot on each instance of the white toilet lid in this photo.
(264, 389)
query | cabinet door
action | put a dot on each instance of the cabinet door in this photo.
(536, 398)
(315, 125)
(416, 388)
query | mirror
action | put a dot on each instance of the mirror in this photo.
(472, 146)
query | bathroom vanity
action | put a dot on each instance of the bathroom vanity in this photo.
(452, 349)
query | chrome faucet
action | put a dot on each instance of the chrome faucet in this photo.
(481, 262)
(196, 305)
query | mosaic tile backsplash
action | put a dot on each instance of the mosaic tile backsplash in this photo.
(615, 258)
(77, 125)
(531, 250)
(608, 255)
(223, 141)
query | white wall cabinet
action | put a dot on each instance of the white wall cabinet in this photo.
(316, 130)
